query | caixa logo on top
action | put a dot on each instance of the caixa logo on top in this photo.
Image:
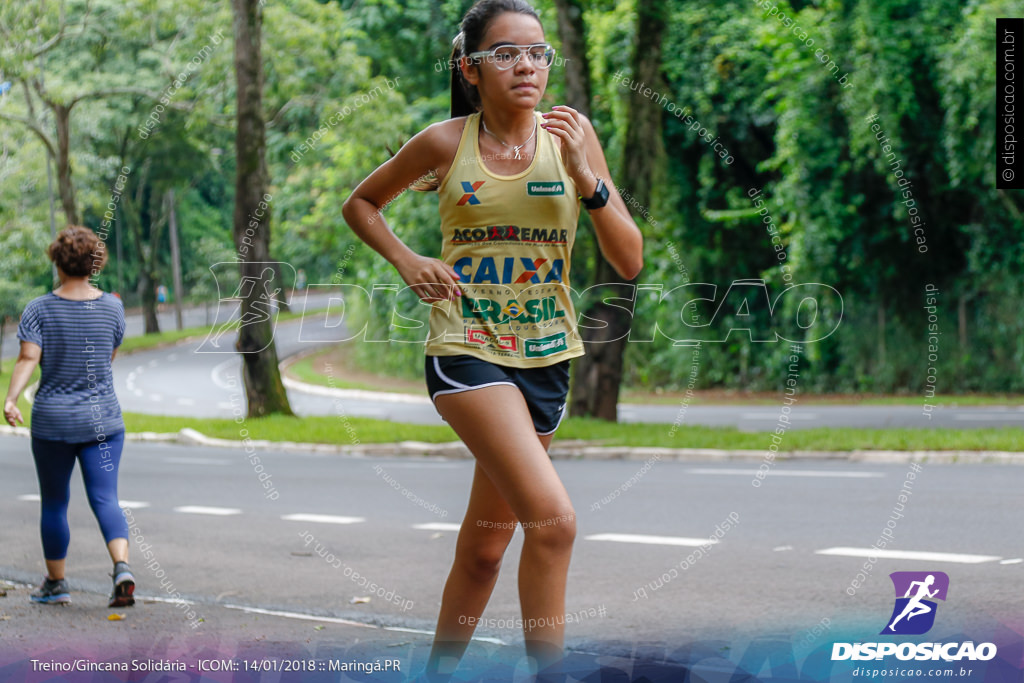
(914, 614)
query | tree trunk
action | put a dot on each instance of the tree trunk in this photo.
(598, 378)
(147, 295)
(572, 32)
(881, 335)
(179, 291)
(65, 187)
(263, 387)
(131, 212)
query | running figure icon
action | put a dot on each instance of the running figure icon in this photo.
(262, 309)
(917, 594)
(915, 606)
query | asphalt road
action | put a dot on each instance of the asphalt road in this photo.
(784, 566)
(199, 379)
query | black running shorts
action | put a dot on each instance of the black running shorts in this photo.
(545, 389)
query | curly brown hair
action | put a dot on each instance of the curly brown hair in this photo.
(78, 252)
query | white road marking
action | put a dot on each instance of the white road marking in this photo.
(133, 504)
(324, 519)
(779, 549)
(651, 540)
(439, 464)
(961, 558)
(1015, 560)
(297, 615)
(129, 381)
(218, 369)
(203, 510)
(336, 620)
(438, 526)
(402, 629)
(196, 461)
(790, 473)
(30, 497)
(186, 401)
(775, 416)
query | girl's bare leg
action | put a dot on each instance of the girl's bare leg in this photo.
(514, 480)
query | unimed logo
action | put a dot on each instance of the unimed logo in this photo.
(914, 614)
(545, 346)
(545, 189)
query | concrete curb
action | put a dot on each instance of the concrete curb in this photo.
(576, 450)
(333, 392)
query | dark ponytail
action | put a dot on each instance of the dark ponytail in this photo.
(465, 98)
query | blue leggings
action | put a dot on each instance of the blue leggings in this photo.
(55, 460)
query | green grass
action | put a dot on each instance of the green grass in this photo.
(732, 398)
(319, 429)
(303, 371)
(342, 431)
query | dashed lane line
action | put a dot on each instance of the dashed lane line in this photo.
(651, 540)
(322, 519)
(842, 474)
(960, 558)
(203, 510)
(437, 526)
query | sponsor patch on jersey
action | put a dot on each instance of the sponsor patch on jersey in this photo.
(509, 233)
(470, 193)
(480, 336)
(545, 346)
(548, 189)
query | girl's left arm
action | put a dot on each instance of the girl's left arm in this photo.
(618, 236)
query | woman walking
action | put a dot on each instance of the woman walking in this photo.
(72, 333)
(502, 325)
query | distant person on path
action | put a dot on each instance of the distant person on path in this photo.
(509, 181)
(72, 333)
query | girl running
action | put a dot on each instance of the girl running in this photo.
(72, 333)
(502, 325)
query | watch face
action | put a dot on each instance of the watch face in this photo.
(600, 197)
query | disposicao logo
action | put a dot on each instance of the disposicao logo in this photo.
(915, 595)
(914, 614)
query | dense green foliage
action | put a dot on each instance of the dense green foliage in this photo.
(795, 128)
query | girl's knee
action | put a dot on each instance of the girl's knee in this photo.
(482, 560)
(557, 532)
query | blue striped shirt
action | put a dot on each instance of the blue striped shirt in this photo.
(75, 402)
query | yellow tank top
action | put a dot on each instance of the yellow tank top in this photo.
(509, 237)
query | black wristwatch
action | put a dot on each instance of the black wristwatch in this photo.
(600, 197)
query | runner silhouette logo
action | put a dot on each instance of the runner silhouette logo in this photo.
(916, 592)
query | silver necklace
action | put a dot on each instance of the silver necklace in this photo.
(515, 148)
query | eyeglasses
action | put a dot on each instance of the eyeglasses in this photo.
(506, 56)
